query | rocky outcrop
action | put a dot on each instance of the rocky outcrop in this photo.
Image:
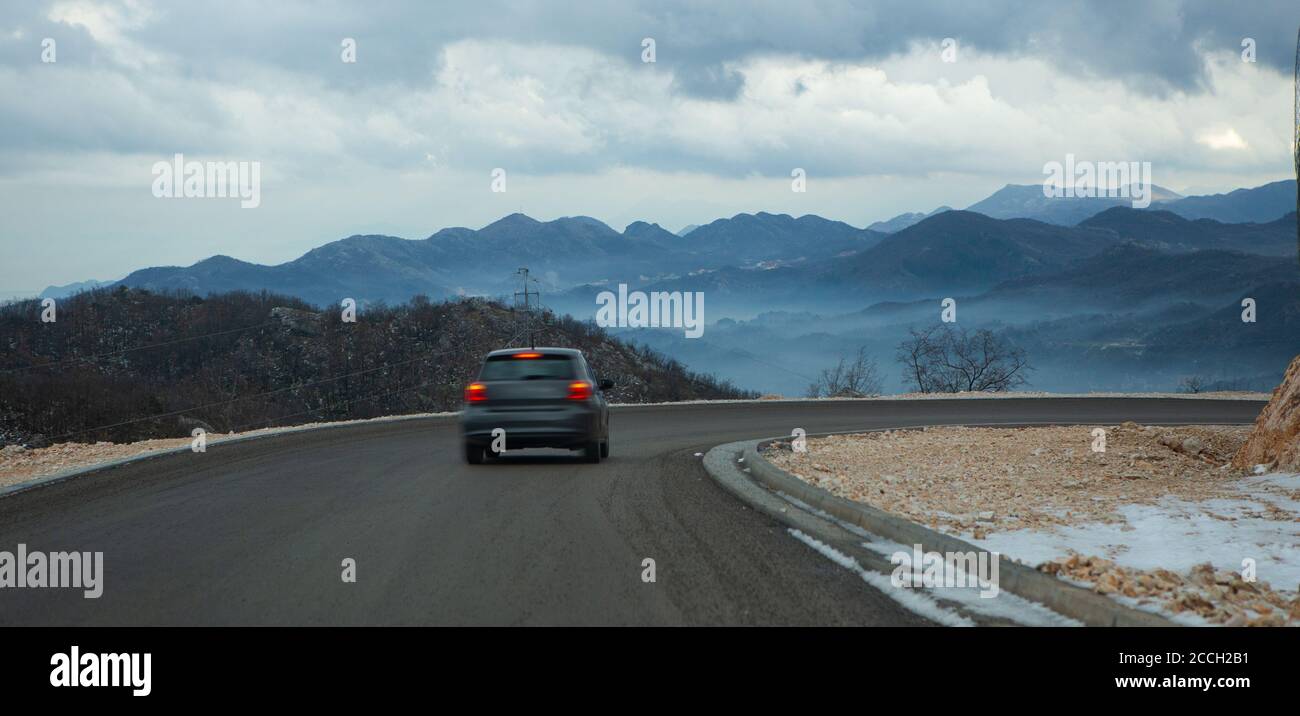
(1275, 441)
(304, 322)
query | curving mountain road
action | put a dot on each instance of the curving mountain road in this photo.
(254, 532)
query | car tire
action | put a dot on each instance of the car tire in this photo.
(474, 454)
(592, 452)
(604, 448)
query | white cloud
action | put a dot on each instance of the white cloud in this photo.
(582, 131)
(545, 108)
(1222, 139)
(560, 109)
(556, 109)
(110, 24)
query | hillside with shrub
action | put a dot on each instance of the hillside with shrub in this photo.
(125, 364)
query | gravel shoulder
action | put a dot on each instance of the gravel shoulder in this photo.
(1159, 520)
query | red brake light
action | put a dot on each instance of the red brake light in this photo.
(528, 355)
(475, 392)
(579, 390)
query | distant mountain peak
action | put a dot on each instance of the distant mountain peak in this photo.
(587, 220)
(1129, 214)
(1261, 204)
(512, 220)
(73, 288)
(904, 220)
(646, 230)
(220, 260)
(1027, 201)
(758, 216)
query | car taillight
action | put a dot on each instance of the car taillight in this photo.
(579, 390)
(475, 393)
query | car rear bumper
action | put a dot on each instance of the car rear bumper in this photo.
(569, 426)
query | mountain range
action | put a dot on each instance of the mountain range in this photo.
(793, 262)
(1128, 318)
(1119, 285)
(561, 253)
(953, 253)
(1260, 204)
(573, 251)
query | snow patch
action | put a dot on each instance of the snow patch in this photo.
(1004, 606)
(912, 600)
(1178, 535)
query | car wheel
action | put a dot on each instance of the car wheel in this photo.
(604, 448)
(473, 454)
(592, 452)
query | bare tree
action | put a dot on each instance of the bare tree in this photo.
(1192, 384)
(942, 359)
(920, 356)
(848, 379)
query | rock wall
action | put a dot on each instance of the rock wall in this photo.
(1275, 441)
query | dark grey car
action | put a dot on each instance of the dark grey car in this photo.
(536, 397)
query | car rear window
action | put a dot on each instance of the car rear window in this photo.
(545, 367)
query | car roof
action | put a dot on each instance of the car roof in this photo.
(572, 352)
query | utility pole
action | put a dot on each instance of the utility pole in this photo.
(1295, 147)
(524, 280)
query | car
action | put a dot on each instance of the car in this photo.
(535, 398)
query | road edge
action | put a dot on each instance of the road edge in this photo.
(86, 470)
(756, 482)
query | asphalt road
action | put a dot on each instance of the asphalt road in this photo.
(255, 533)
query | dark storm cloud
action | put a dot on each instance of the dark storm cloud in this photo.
(141, 77)
(1154, 45)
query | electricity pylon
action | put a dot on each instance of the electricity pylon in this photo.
(529, 309)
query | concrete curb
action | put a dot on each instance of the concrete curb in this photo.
(74, 473)
(1066, 599)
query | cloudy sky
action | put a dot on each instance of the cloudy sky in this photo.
(404, 140)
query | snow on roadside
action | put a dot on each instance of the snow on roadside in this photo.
(1178, 535)
(1183, 559)
(1010, 606)
(1159, 520)
(1004, 606)
(911, 599)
